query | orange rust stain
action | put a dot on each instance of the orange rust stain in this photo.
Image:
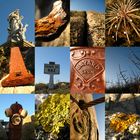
(18, 73)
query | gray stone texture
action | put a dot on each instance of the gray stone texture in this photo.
(87, 28)
(95, 29)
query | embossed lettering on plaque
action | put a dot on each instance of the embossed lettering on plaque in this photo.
(87, 70)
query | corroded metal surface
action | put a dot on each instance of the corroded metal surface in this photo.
(14, 128)
(87, 70)
(18, 73)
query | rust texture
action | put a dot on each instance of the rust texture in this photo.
(87, 70)
(15, 130)
(52, 25)
(18, 74)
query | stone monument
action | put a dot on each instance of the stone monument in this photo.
(18, 74)
(51, 69)
(16, 31)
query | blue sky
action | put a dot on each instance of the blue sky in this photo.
(27, 102)
(116, 56)
(26, 10)
(85, 5)
(60, 55)
(100, 113)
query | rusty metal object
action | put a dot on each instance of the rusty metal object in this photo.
(84, 105)
(87, 70)
(15, 123)
(18, 73)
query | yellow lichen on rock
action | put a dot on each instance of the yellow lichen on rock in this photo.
(120, 122)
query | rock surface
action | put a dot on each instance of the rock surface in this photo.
(95, 29)
(120, 104)
(78, 28)
(124, 103)
(51, 21)
(62, 40)
(87, 29)
(83, 123)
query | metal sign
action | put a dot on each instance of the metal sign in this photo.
(51, 68)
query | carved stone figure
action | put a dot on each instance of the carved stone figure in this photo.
(16, 29)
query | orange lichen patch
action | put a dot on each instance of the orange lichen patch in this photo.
(121, 121)
(18, 73)
(48, 26)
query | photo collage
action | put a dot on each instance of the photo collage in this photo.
(70, 70)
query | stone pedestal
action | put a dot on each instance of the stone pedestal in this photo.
(18, 74)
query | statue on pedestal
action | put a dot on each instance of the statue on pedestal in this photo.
(16, 29)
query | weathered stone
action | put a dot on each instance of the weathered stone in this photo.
(87, 28)
(62, 40)
(18, 74)
(52, 25)
(83, 123)
(95, 29)
(78, 28)
(123, 103)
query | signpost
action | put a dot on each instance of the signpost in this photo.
(51, 69)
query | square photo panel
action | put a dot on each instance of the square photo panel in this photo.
(17, 113)
(52, 70)
(122, 70)
(17, 70)
(17, 23)
(87, 23)
(87, 73)
(122, 116)
(87, 114)
(52, 27)
(122, 23)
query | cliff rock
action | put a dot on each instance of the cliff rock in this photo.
(87, 29)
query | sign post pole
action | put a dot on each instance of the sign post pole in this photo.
(51, 81)
(51, 69)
